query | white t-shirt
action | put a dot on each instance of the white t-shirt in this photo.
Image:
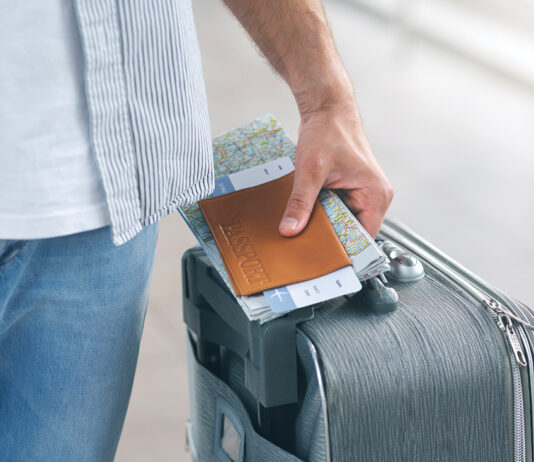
(49, 182)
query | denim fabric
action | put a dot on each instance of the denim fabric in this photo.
(71, 315)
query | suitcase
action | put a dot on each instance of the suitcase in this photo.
(445, 377)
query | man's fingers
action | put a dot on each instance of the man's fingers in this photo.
(306, 187)
(372, 216)
(371, 221)
(370, 205)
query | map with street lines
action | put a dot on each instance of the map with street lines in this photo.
(257, 143)
(262, 141)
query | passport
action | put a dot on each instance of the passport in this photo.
(256, 256)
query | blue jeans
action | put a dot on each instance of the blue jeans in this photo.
(71, 316)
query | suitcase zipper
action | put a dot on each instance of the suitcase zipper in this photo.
(503, 317)
(522, 327)
(505, 323)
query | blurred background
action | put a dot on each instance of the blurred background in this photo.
(446, 90)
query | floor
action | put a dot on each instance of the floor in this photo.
(455, 140)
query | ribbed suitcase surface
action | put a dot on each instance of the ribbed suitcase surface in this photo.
(429, 382)
(433, 381)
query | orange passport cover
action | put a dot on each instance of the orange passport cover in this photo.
(256, 256)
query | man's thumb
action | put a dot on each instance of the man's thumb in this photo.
(299, 206)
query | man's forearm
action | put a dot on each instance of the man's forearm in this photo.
(332, 149)
(295, 37)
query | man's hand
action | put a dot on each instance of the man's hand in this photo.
(333, 152)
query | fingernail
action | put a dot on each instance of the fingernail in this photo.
(289, 223)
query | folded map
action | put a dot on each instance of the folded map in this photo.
(254, 154)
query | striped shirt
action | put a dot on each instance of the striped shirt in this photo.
(149, 124)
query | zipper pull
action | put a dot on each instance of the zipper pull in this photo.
(505, 324)
(497, 308)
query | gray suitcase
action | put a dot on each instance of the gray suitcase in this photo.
(445, 377)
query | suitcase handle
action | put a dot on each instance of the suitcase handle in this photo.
(269, 350)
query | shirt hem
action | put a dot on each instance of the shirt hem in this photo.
(193, 194)
(49, 226)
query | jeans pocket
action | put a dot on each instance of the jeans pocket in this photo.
(9, 249)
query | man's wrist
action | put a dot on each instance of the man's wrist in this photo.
(325, 92)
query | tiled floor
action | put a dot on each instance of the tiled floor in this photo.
(456, 142)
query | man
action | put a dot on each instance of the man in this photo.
(103, 130)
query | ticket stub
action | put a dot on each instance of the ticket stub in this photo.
(341, 282)
(253, 176)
